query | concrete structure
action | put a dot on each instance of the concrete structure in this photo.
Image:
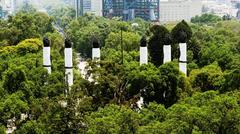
(167, 53)
(143, 51)
(96, 7)
(219, 8)
(143, 55)
(68, 62)
(7, 7)
(47, 55)
(88, 6)
(96, 54)
(130, 9)
(177, 10)
(183, 58)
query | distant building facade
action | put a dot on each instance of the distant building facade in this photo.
(7, 7)
(97, 7)
(238, 15)
(177, 10)
(130, 9)
(88, 6)
(220, 7)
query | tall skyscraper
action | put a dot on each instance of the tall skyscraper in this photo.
(130, 9)
(88, 6)
(97, 7)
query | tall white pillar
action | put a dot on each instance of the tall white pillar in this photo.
(183, 58)
(167, 53)
(96, 53)
(143, 60)
(143, 51)
(47, 55)
(68, 62)
(143, 55)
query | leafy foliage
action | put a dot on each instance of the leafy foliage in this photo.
(156, 43)
(207, 101)
(206, 19)
(25, 25)
(181, 33)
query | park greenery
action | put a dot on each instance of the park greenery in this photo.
(206, 101)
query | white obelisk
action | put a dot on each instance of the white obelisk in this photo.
(96, 51)
(183, 58)
(143, 51)
(167, 53)
(68, 62)
(47, 55)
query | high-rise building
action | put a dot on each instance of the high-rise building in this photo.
(219, 8)
(97, 7)
(130, 9)
(177, 10)
(88, 6)
(7, 7)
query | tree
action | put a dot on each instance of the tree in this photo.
(113, 119)
(57, 41)
(161, 85)
(25, 25)
(203, 112)
(130, 41)
(2, 129)
(153, 112)
(111, 85)
(12, 107)
(165, 91)
(159, 38)
(226, 17)
(173, 103)
(215, 53)
(208, 78)
(14, 79)
(232, 80)
(62, 16)
(113, 55)
(206, 19)
(181, 33)
(81, 37)
(31, 127)
(29, 46)
(82, 30)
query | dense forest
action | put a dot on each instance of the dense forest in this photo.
(206, 101)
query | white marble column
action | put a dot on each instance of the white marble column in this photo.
(47, 55)
(68, 62)
(143, 55)
(96, 52)
(143, 51)
(167, 53)
(183, 58)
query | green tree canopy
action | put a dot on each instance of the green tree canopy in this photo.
(182, 32)
(206, 19)
(159, 38)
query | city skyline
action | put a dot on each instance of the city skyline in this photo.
(168, 11)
